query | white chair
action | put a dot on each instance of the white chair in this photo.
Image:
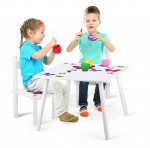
(22, 91)
(107, 88)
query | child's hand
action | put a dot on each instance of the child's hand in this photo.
(53, 42)
(97, 37)
(78, 35)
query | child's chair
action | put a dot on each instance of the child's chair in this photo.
(23, 92)
(107, 88)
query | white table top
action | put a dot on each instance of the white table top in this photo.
(69, 71)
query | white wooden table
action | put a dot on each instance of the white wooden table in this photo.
(98, 74)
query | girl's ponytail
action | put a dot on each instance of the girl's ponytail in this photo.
(21, 41)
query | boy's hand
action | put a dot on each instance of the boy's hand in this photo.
(97, 37)
(78, 35)
(53, 42)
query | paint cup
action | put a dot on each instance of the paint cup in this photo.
(88, 61)
(57, 48)
(85, 66)
(105, 62)
(90, 37)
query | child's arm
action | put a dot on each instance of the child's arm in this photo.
(50, 58)
(73, 44)
(41, 53)
(108, 44)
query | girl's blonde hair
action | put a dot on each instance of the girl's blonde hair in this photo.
(33, 24)
(92, 9)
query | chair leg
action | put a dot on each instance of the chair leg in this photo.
(35, 114)
(77, 93)
(122, 96)
(107, 90)
(15, 105)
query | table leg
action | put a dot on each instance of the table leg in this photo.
(105, 122)
(122, 96)
(42, 105)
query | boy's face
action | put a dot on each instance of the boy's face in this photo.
(91, 22)
(37, 36)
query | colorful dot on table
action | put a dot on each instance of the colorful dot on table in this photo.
(68, 70)
(48, 74)
(108, 70)
(110, 67)
(38, 92)
(59, 76)
(110, 73)
(73, 70)
(72, 64)
(120, 66)
(77, 67)
(95, 70)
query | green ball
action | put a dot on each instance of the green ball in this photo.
(85, 66)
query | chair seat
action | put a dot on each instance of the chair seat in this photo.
(24, 92)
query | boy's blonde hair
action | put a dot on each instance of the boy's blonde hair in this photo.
(92, 9)
(33, 24)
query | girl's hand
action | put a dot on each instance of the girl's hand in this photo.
(53, 42)
(78, 35)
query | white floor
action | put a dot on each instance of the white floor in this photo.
(125, 131)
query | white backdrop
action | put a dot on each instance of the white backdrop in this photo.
(127, 23)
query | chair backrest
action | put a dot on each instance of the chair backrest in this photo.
(16, 66)
(21, 91)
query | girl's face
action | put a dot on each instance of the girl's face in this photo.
(37, 36)
(91, 22)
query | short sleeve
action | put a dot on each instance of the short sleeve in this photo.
(104, 36)
(26, 52)
(45, 57)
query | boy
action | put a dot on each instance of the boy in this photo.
(90, 50)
